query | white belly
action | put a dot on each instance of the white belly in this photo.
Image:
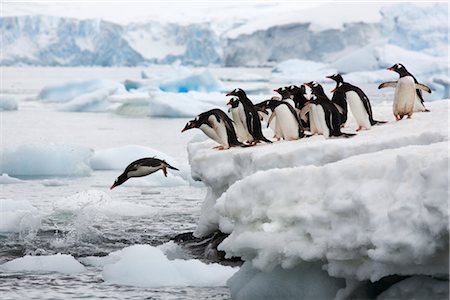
(211, 133)
(358, 110)
(317, 117)
(143, 171)
(220, 130)
(286, 123)
(405, 96)
(243, 118)
(238, 125)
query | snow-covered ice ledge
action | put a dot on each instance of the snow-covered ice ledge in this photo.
(360, 209)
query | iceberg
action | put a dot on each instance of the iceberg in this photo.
(18, 216)
(60, 263)
(147, 266)
(360, 209)
(202, 81)
(8, 102)
(46, 160)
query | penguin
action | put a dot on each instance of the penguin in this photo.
(237, 113)
(251, 117)
(357, 100)
(288, 124)
(298, 95)
(325, 118)
(142, 167)
(265, 111)
(217, 126)
(285, 95)
(407, 89)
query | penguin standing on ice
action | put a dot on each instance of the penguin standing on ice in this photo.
(217, 126)
(142, 167)
(285, 95)
(325, 118)
(298, 95)
(265, 110)
(357, 100)
(288, 124)
(407, 88)
(237, 113)
(251, 117)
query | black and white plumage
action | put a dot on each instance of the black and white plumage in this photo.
(298, 95)
(143, 167)
(325, 118)
(265, 111)
(217, 126)
(251, 117)
(346, 93)
(408, 96)
(237, 113)
(288, 124)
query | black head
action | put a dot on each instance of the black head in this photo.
(336, 77)
(121, 179)
(399, 68)
(316, 88)
(283, 91)
(238, 93)
(191, 124)
(234, 102)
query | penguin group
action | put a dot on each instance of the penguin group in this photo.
(296, 112)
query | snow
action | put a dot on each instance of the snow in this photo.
(8, 102)
(6, 179)
(46, 160)
(363, 208)
(300, 71)
(18, 216)
(60, 263)
(305, 281)
(147, 266)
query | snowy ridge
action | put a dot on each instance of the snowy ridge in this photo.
(366, 207)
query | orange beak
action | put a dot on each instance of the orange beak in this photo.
(390, 69)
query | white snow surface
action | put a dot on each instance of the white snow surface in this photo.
(8, 102)
(368, 206)
(46, 160)
(61, 263)
(18, 216)
(147, 266)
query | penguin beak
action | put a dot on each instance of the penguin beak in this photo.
(113, 186)
(330, 77)
(187, 127)
(333, 90)
(230, 94)
(229, 102)
(390, 69)
(276, 90)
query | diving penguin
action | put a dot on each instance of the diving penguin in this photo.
(357, 100)
(142, 167)
(217, 126)
(407, 89)
(251, 117)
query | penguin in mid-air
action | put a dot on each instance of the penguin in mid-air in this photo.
(357, 100)
(251, 117)
(407, 89)
(324, 116)
(217, 126)
(237, 113)
(142, 167)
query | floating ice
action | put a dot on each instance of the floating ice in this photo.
(8, 102)
(18, 216)
(46, 160)
(60, 263)
(203, 81)
(147, 266)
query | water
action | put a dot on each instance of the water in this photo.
(101, 221)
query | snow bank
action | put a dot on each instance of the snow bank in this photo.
(202, 81)
(147, 266)
(46, 160)
(60, 263)
(119, 158)
(6, 179)
(365, 207)
(305, 281)
(8, 102)
(18, 216)
(98, 203)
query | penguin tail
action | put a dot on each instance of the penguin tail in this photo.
(266, 140)
(347, 135)
(375, 122)
(427, 110)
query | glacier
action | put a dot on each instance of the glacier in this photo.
(371, 210)
(256, 39)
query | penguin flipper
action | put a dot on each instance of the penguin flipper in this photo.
(270, 119)
(423, 87)
(387, 84)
